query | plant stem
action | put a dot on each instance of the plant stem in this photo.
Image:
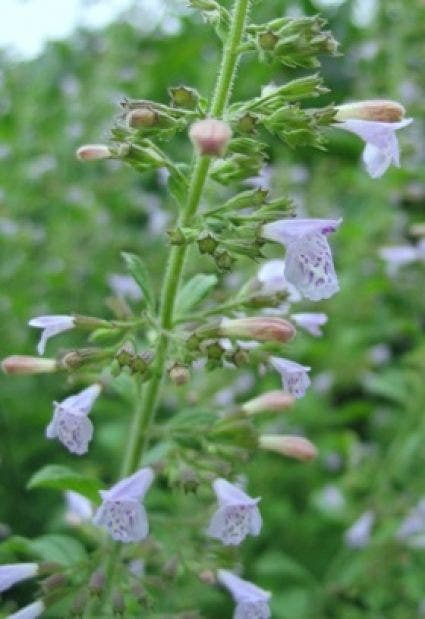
(145, 414)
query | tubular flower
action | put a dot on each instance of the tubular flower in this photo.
(121, 512)
(237, 514)
(264, 328)
(294, 376)
(296, 447)
(269, 401)
(51, 325)
(376, 123)
(13, 573)
(272, 279)
(29, 612)
(309, 264)
(358, 535)
(251, 601)
(70, 423)
(311, 322)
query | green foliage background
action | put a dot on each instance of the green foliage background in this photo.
(62, 228)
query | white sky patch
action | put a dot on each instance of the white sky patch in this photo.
(26, 25)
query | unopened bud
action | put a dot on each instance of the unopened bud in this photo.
(189, 480)
(270, 401)
(118, 603)
(142, 117)
(207, 577)
(296, 447)
(183, 96)
(78, 604)
(97, 582)
(265, 329)
(223, 259)
(53, 582)
(170, 567)
(247, 123)
(379, 110)
(179, 374)
(268, 40)
(23, 364)
(207, 244)
(93, 152)
(210, 136)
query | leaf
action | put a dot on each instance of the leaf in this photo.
(59, 549)
(63, 478)
(140, 273)
(194, 291)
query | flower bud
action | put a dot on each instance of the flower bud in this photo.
(23, 364)
(296, 447)
(267, 328)
(179, 374)
(97, 582)
(141, 117)
(379, 110)
(207, 577)
(93, 152)
(206, 242)
(118, 603)
(270, 401)
(183, 96)
(210, 136)
(53, 582)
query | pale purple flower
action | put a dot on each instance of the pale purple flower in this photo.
(251, 601)
(29, 612)
(70, 423)
(358, 535)
(412, 527)
(272, 279)
(13, 573)
(51, 325)
(311, 322)
(124, 286)
(294, 376)
(397, 256)
(381, 148)
(309, 264)
(121, 512)
(237, 514)
(79, 508)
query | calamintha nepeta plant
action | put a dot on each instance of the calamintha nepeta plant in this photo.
(186, 328)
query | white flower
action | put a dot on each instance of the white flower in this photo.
(381, 148)
(397, 256)
(237, 514)
(309, 264)
(358, 535)
(294, 376)
(79, 508)
(251, 601)
(124, 286)
(70, 423)
(311, 322)
(51, 325)
(13, 573)
(121, 511)
(272, 279)
(29, 612)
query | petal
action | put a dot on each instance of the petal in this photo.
(132, 488)
(16, 572)
(310, 321)
(288, 230)
(229, 494)
(282, 365)
(241, 590)
(358, 535)
(79, 507)
(252, 610)
(271, 276)
(376, 160)
(231, 524)
(256, 522)
(309, 267)
(126, 521)
(46, 322)
(375, 132)
(29, 612)
(74, 431)
(82, 402)
(294, 376)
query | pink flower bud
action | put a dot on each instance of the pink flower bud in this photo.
(270, 401)
(267, 328)
(93, 152)
(210, 136)
(380, 110)
(23, 364)
(296, 447)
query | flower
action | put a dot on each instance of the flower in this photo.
(412, 528)
(70, 423)
(310, 321)
(29, 612)
(264, 328)
(121, 512)
(269, 401)
(210, 136)
(397, 256)
(308, 265)
(237, 514)
(124, 286)
(381, 148)
(294, 376)
(79, 508)
(51, 325)
(13, 573)
(24, 364)
(358, 535)
(296, 447)
(272, 279)
(251, 601)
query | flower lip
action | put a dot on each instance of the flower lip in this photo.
(286, 230)
(229, 494)
(242, 590)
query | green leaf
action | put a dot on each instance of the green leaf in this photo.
(140, 273)
(63, 478)
(194, 291)
(59, 548)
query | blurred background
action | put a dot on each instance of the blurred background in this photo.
(64, 66)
